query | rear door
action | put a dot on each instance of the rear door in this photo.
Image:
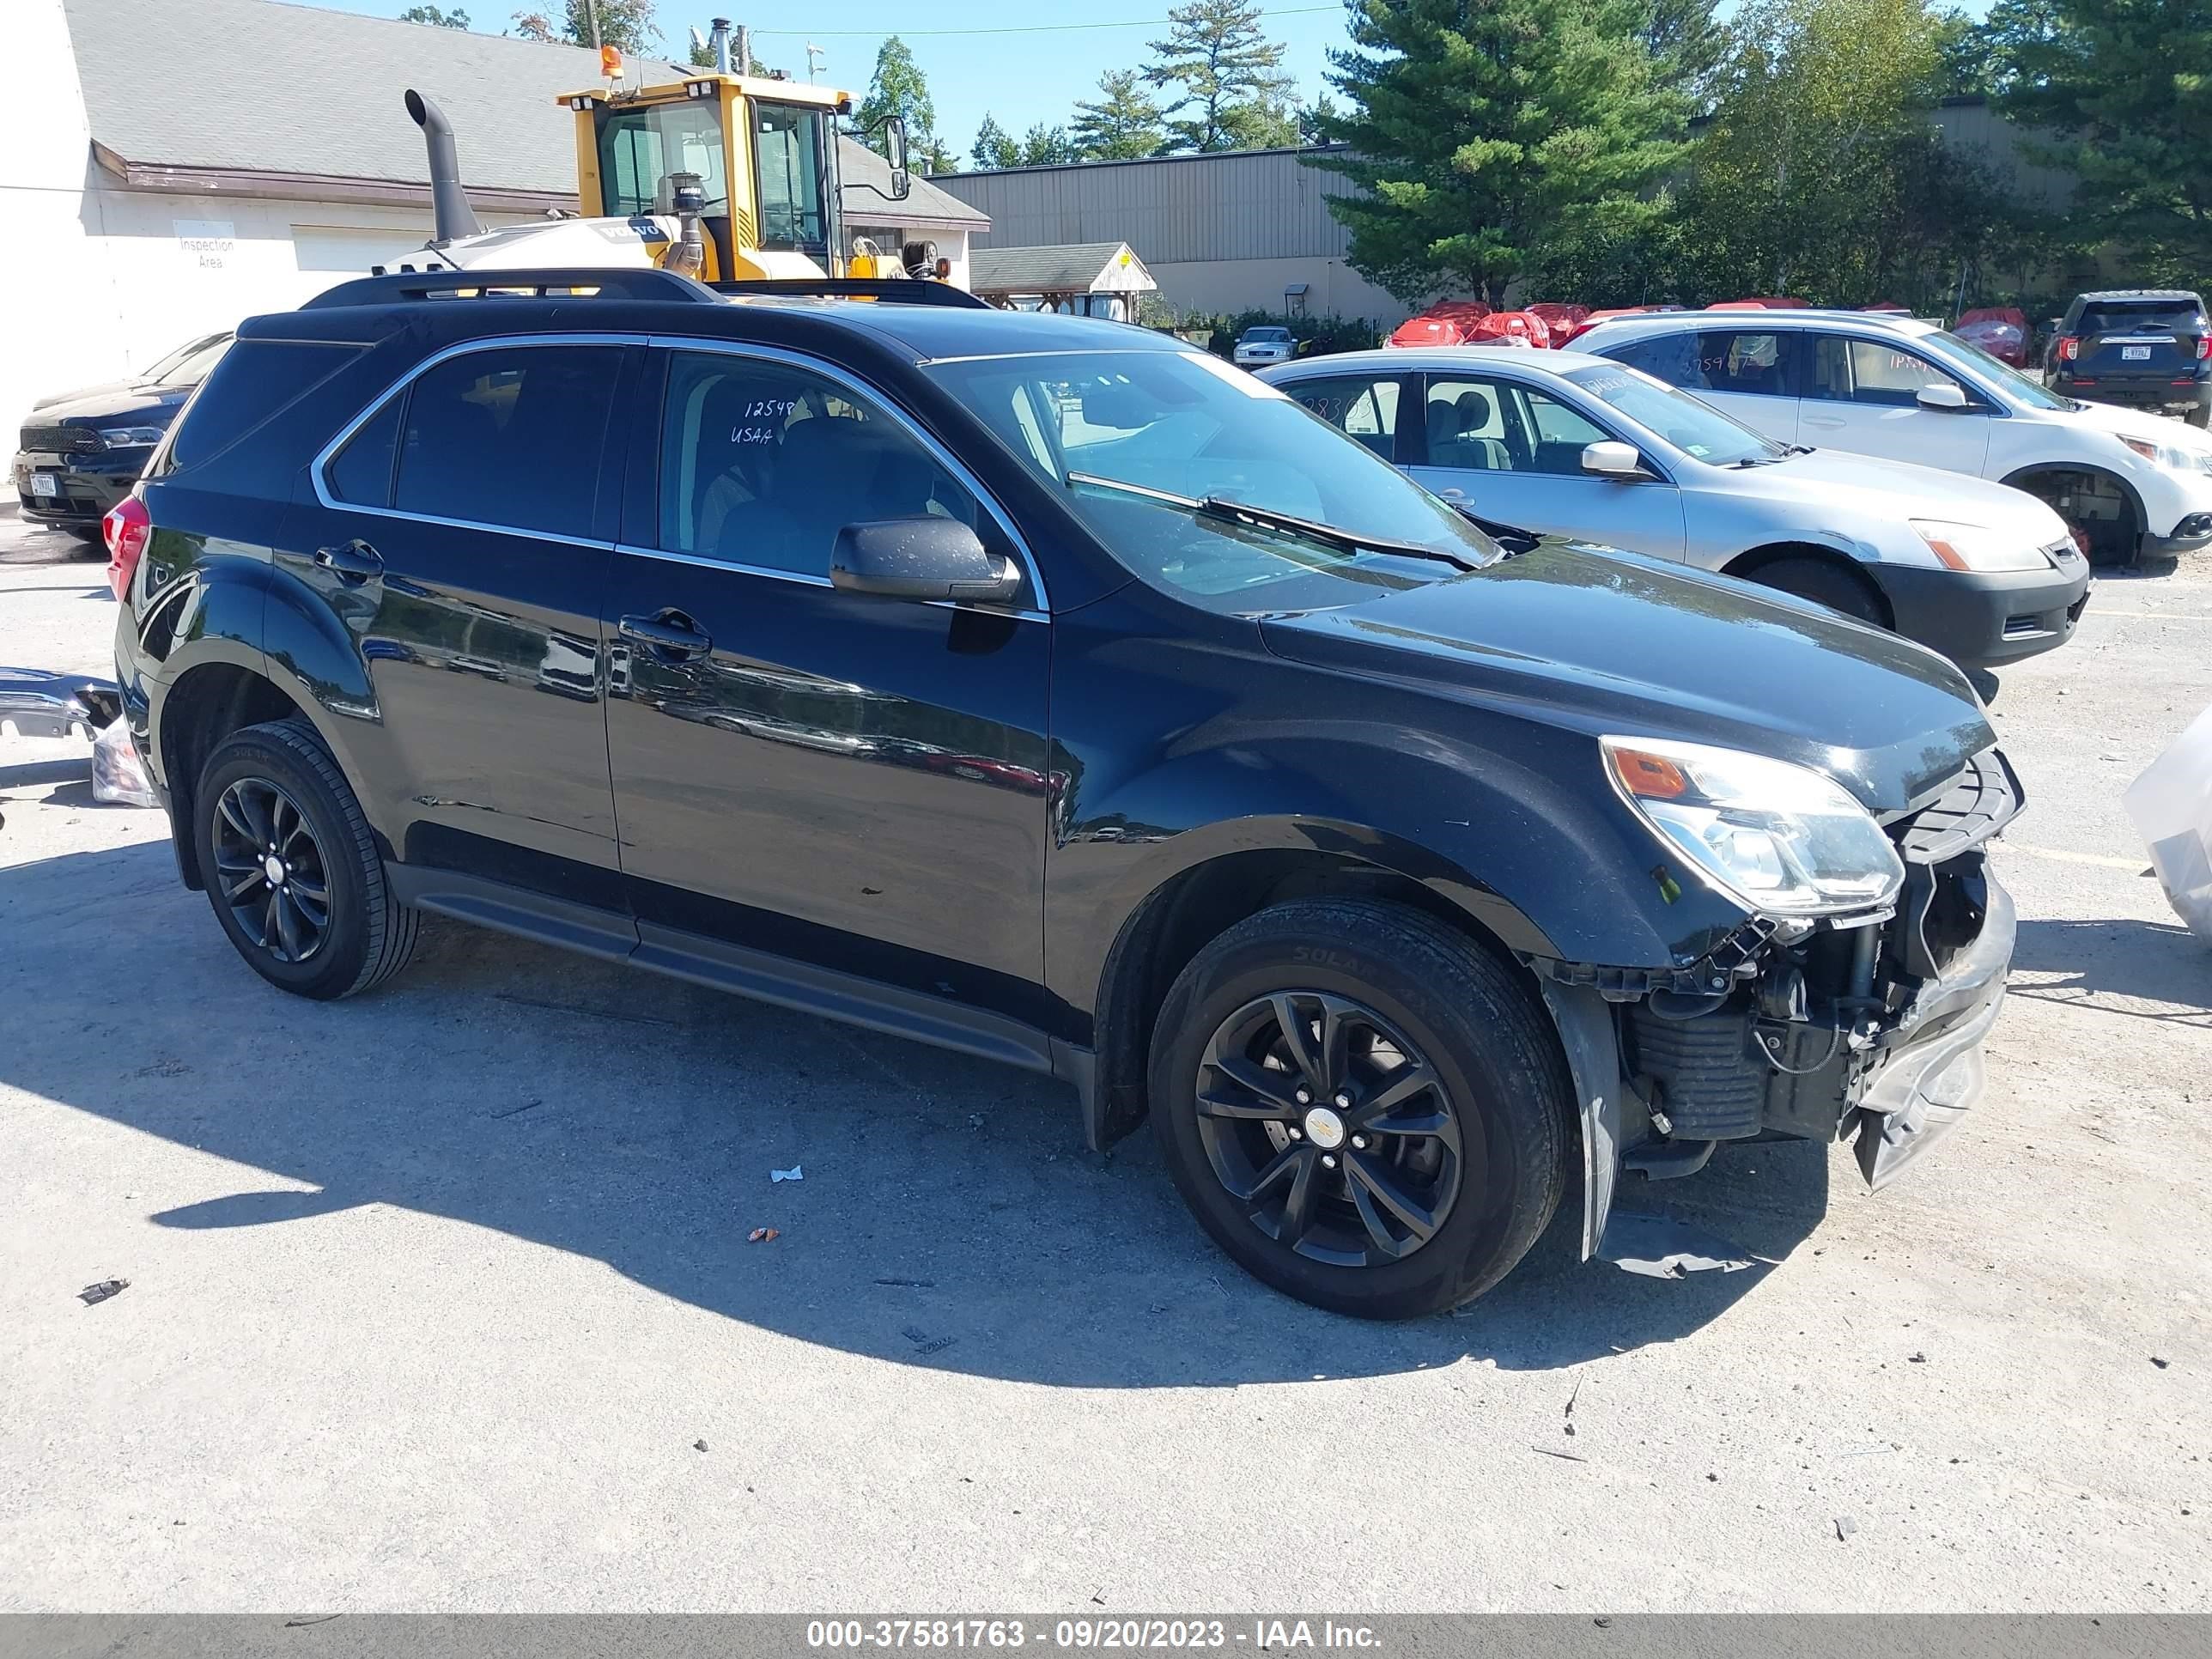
(463, 536)
(1512, 453)
(1751, 373)
(804, 775)
(2146, 347)
(1862, 395)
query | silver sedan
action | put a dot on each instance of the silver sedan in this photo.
(1559, 443)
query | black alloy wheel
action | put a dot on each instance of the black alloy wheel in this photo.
(274, 877)
(1330, 1127)
(291, 867)
(1365, 1106)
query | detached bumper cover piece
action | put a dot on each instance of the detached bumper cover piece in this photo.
(1934, 1071)
(36, 704)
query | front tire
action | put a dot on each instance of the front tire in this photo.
(1824, 584)
(291, 868)
(1363, 1108)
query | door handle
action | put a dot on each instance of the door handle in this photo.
(1452, 493)
(354, 561)
(671, 633)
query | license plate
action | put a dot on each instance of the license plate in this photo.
(2135, 353)
(46, 484)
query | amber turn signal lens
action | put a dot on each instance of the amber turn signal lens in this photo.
(1652, 776)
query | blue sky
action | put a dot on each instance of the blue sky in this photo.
(1022, 65)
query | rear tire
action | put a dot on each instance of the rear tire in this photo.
(1824, 584)
(1433, 1155)
(291, 867)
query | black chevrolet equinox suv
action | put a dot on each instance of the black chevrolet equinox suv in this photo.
(1047, 689)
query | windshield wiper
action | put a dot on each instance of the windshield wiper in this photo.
(1229, 512)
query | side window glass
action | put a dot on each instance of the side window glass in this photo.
(511, 437)
(1363, 407)
(1561, 434)
(762, 464)
(1466, 427)
(1669, 357)
(1749, 364)
(1881, 374)
(361, 472)
(1830, 377)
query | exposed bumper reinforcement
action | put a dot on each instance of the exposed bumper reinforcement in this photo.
(1934, 1072)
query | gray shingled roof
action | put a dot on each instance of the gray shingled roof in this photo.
(254, 86)
(1070, 268)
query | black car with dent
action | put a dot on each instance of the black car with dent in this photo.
(1048, 690)
(78, 453)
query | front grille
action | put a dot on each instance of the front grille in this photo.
(63, 439)
(1977, 803)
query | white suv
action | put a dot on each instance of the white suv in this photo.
(2127, 483)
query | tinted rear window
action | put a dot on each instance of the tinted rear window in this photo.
(510, 437)
(2162, 316)
(256, 381)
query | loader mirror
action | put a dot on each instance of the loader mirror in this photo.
(895, 153)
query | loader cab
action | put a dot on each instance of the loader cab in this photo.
(765, 152)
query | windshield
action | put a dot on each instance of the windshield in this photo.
(1187, 424)
(192, 366)
(639, 147)
(1695, 428)
(1270, 335)
(787, 154)
(191, 347)
(1941, 343)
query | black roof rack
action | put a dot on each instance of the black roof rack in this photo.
(615, 282)
(893, 290)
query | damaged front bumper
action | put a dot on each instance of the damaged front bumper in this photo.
(1869, 1031)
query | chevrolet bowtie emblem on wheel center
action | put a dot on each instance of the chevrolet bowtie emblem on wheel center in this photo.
(1324, 1128)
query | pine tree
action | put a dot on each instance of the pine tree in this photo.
(1043, 146)
(1225, 72)
(1479, 132)
(995, 146)
(1124, 124)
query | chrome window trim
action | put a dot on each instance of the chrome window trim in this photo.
(803, 579)
(489, 342)
(877, 398)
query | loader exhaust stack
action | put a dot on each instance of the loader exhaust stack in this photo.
(449, 202)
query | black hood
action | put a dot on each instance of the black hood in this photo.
(148, 405)
(1617, 643)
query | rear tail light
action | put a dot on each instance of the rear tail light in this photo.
(126, 530)
(2069, 348)
(2203, 347)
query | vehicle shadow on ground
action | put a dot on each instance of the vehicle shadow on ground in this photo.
(2160, 967)
(948, 1215)
(34, 545)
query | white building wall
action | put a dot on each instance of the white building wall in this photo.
(97, 282)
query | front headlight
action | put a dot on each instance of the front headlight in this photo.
(1976, 547)
(129, 437)
(1782, 840)
(2173, 457)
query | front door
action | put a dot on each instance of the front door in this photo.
(1513, 453)
(1863, 396)
(852, 782)
(465, 541)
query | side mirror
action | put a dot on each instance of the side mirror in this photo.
(927, 558)
(895, 153)
(1941, 395)
(1608, 458)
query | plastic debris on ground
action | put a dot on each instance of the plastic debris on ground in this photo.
(2171, 807)
(1660, 1247)
(118, 775)
(792, 1173)
(100, 1292)
(763, 1235)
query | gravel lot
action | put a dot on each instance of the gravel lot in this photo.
(440, 1299)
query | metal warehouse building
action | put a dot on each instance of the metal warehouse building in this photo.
(1249, 229)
